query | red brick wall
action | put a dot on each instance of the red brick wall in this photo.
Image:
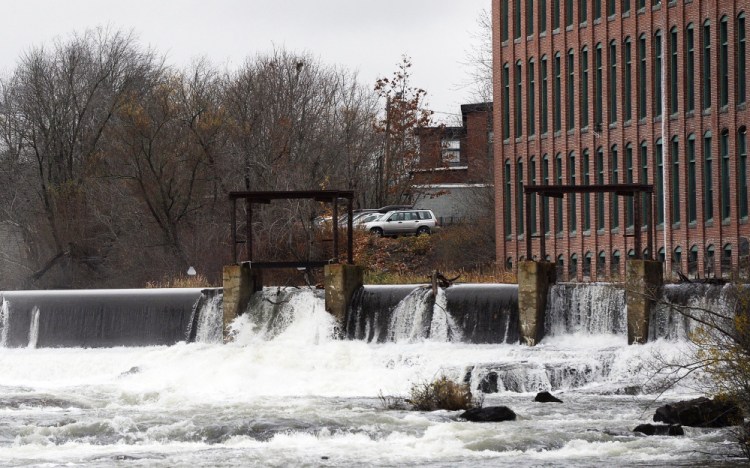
(679, 14)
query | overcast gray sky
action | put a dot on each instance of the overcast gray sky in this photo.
(369, 37)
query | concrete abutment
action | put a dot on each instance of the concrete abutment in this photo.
(643, 281)
(240, 282)
(341, 281)
(534, 282)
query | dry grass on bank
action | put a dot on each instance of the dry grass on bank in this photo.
(197, 281)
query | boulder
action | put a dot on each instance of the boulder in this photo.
(489, 414)
(700, 412)
(546, 397)
(660, 429)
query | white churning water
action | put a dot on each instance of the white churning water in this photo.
(288, 392)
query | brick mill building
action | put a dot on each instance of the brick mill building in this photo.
(453, 176)
(623, 91)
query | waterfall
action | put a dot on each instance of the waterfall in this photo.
(473, 313)
(206, 321)
(670, 316)
(594, 308)
(34, 328)
(412, 317)
(4, 323)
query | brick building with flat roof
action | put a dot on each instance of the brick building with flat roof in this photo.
(454, 174)
(623, 91)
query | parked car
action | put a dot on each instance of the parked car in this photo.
(403, 222)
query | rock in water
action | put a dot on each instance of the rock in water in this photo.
(660, 429)
(489, 414)
(700, 412)
(547, 397)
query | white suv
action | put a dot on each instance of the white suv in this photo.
(403, 222)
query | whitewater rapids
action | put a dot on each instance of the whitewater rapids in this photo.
(287, 392)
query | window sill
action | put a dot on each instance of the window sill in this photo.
(569, 27)
(724, 109)
(656, 7)
(572, 131)
(641, 11)
(583, 24)
(627, 123)
(672, 3)
(543, 34)
(657, 119)
(741, 106)
(587, 233)
(506, 141)
(504, 43)
(743, 220)
(642, 121)
(660, 227)
(585, 129)
(572, 234)
(612, 17)
(543, 136)
(613, 125)
(709, 223)
(676, 225)
(597, 21)
(558, 133)
(626, 14)
(531, 137)
(529, 38)
(556, 31)
(692, 224)
(519, 139)
(517, 40)
(600, 232)
(690, 114)
(707, 111)
(726, 221)
(674, 116)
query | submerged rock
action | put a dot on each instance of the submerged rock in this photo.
(489, 414)
(489, 383)
(660, 429)
(546, 397)
(700, 412)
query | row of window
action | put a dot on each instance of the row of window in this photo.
(682, 165)
(664, 87)
(569, 10)
(709, 260)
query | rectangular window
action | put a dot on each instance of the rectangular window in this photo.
(544, 109)
(708, 185)
(645, 209)
(504, 26)
(597, 9)
(726, 206)
(451, 152)
(742, 176)
(530, 104)
(690, 69)
(629, 180)
(572, 205)
(723, 62)
(506, 102)
(532, 200)
(529, 17)
(586, 196)
(627, 97)
(611, 7)
(569, 13)
(517, 115)
(641, 4)
(612, 81)
(555, 14)
(571, 92)
(625, 7)
(675, 181)
(598, 88)
(706, 66)
(741, 66)
(615, 221)
(657, 75)
(542, 16)
(508, 210)
(517, 18)
(692, 189)
(642, 77)
(600, 196)
(558, 201)
(673, 71)
(545, 200)
(582, 11)
(519, 199)
(659, 186)
(557, 105)
(585, 88)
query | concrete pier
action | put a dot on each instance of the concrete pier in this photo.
(534, 281)
(643, 280)
(240, 282)
(341, 281)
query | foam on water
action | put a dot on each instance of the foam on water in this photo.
(288, 392)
